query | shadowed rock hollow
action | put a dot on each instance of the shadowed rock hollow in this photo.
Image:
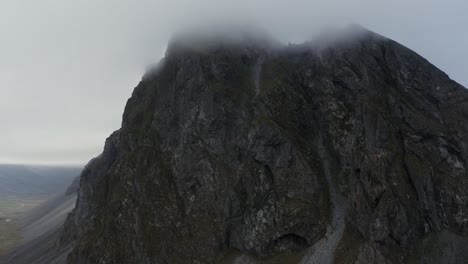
(352, 146)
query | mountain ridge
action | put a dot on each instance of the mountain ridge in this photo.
(234, 154)
(23, 180)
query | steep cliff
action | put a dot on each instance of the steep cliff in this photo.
(352, 149)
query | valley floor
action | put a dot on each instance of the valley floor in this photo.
(11, 211)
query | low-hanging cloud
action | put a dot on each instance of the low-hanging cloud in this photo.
(68, 67)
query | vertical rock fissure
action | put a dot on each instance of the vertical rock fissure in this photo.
(322, 252)
(405, 165)
(257, 71)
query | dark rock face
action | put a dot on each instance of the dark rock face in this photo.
(358, 147)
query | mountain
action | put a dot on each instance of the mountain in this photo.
(31, 180)
(349, 149)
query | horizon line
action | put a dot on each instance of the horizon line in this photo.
(43, 164)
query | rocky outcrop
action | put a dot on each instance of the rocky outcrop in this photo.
(353, 147)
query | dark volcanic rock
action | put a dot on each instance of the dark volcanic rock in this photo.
(354, 145)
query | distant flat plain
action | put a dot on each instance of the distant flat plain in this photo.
(11, 210)
(23, 188)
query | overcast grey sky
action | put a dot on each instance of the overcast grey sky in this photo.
(67, 67)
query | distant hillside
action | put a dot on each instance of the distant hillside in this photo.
(21, 180)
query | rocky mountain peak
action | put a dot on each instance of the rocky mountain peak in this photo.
(352, 150)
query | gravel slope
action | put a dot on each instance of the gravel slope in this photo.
(40, 232)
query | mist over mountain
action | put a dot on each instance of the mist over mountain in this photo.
(348, 149)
